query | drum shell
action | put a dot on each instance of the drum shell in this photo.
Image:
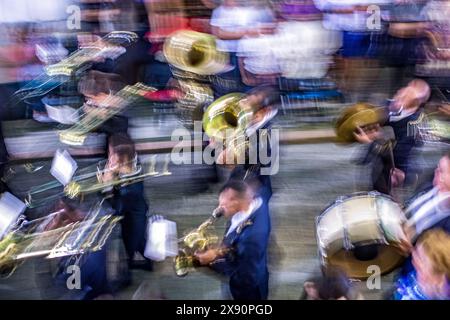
(357, 220)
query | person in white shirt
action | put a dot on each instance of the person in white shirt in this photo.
(231, 22)
(257, 62)
(305, 49)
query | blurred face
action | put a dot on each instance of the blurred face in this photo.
(406, 98)
(231, 203)
(430, 282)
(253, 102)
(442, 175)
(97, 99)
(116, 163)
(259, 115)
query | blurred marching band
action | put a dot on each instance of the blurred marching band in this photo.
(89, 89)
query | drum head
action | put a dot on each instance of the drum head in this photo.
(387, 259)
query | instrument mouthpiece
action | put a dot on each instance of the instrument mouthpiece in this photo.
(218, 212)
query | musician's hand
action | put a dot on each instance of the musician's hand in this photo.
(111, 169)
(405, 245)
(54, 223)
(397, 177)
(206, 257)
(107, 177)
(368, 135)
(445, 109)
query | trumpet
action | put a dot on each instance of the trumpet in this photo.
(92, 181)
(431, 127)
(199, 239)
(109, 107)
(110, 46)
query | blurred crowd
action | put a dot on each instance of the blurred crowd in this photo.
(269, 42)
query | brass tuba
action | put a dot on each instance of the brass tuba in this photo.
(195, 52)
(226, 120)
(198, 239)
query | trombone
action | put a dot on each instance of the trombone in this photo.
(34, 238)
(110, 46)
(109, 107)
(91, 182)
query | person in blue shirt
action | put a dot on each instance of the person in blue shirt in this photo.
(429, 278)
(242, 256)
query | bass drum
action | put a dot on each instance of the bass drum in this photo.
(359, 231)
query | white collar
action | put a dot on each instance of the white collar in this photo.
(404, 114)
(429, 210)
(269, 116)
(241, 216)
(137, 170)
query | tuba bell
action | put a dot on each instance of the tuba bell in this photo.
(198, 239)
(227, 120)
(358, 115)
(195, 52)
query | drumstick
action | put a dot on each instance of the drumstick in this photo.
(391, 154)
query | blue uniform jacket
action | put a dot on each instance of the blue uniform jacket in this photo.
(246, 263)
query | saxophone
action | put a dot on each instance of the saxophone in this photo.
(199, 239)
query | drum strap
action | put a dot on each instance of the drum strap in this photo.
(420, 201)
(429, 214)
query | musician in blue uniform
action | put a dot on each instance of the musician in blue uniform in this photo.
(391, 166)
(431, 209)
(261, 157)
(82, 276)
(97, 87)
(128, 200)
(243, 254)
